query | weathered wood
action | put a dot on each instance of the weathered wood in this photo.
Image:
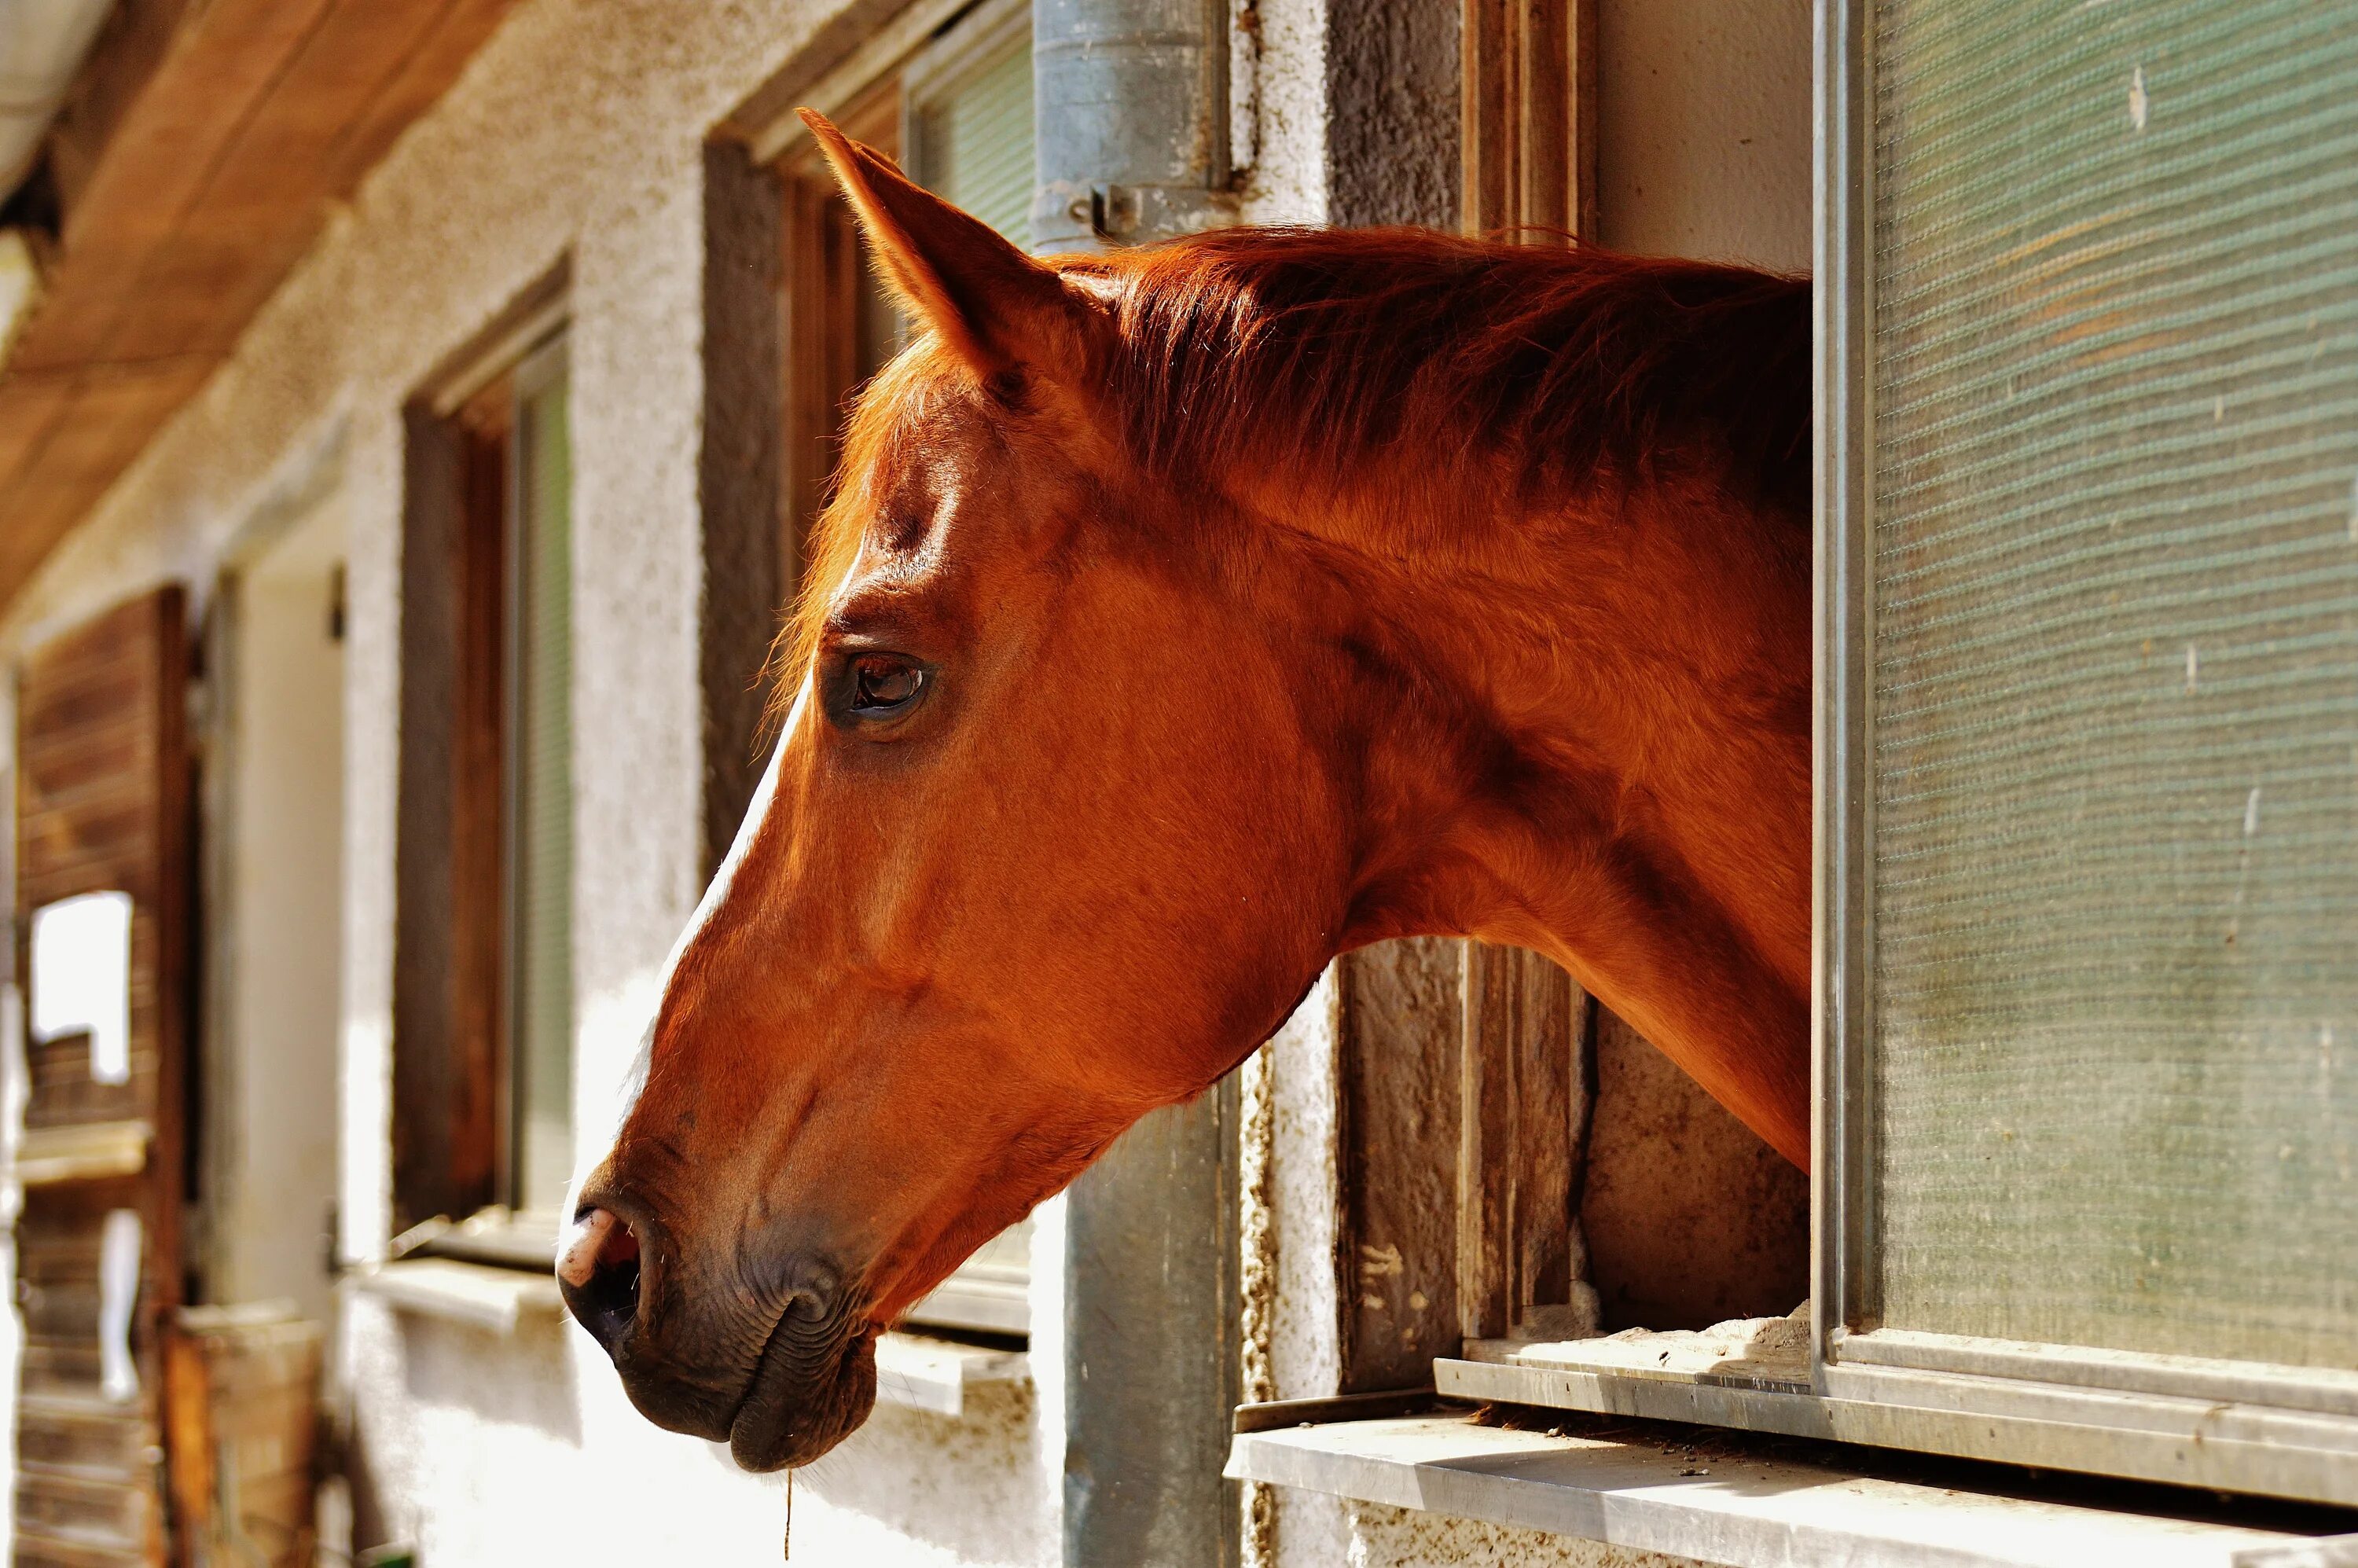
(738, 479)
(1522, 1131)
(243, 1398)
(1690, 1218)
(199, 153)
(1396, 1067)
(104, 803)
(1529, 118)
(446, 1016)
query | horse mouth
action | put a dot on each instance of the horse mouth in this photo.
(812, 1387)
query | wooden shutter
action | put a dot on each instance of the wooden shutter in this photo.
(103, 805)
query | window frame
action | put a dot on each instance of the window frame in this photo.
(458, 1098)
(2220, 1424)
(2262, 1423)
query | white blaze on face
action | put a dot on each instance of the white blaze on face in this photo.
(589, 1233)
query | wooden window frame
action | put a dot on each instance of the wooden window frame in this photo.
(457, 1105)
(1528, 112)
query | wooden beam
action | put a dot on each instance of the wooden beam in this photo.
(196, 161)
(1529, 118)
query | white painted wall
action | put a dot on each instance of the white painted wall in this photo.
(1703, 127)
(271, 1061)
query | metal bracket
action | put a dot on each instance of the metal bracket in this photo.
(1068, 215)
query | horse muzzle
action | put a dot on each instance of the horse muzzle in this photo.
(682, 1349)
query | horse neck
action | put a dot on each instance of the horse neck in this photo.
(1592, 714)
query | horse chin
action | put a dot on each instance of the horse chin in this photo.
(804, 1398)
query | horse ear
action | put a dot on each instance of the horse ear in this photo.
(996, 308)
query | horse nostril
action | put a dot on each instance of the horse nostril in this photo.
(598, 1270)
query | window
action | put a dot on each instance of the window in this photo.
(958, 114)
(2087, 1193)
(795, 323)
(484, 1011)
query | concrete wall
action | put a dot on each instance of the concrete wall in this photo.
(277, 947)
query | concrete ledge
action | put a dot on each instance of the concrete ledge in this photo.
(494, 1299)
(1742, 1510)
(922, 1373)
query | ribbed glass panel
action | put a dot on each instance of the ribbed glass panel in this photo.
(2114, 673)
(541, 910)
(976, 141)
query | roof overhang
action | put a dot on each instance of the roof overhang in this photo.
(195, 160)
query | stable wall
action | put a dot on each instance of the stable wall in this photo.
(575, 136)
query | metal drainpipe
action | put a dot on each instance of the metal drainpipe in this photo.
(1130, 108)
(1131, 102)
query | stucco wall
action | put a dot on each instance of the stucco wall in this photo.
(576, 134)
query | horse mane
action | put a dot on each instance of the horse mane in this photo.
(1342, 355)
(1328, 350)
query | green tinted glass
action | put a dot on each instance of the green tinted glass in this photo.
(541, 848)
(976, 141)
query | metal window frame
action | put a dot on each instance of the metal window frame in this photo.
(2239, 1425)
(2233, 1425)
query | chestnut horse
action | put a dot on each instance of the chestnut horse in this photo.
(1185, 617)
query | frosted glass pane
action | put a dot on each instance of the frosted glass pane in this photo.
(2115, 674)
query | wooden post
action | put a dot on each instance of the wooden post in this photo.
(1524, 1096)
(1529, 118)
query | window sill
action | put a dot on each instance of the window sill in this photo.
(918, 1372)
(1753, 1376)
(1741, 1505)
(497, 1299)
(85, 1152)
(913, 1370)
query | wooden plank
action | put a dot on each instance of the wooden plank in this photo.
(739, 478)
(197, 171)
(221, 68)
(1528, 118)
(1523, 1093)
(104, 803)
(1396, 1067)
(445, 1039)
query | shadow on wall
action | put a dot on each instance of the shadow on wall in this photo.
(1691, 1219)
(523, 1379)
(967, 1486)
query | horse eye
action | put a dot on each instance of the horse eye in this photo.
(883, 685)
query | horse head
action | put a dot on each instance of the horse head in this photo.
(1037, 850)
(1180, 620)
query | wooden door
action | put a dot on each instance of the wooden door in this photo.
(103, 807)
